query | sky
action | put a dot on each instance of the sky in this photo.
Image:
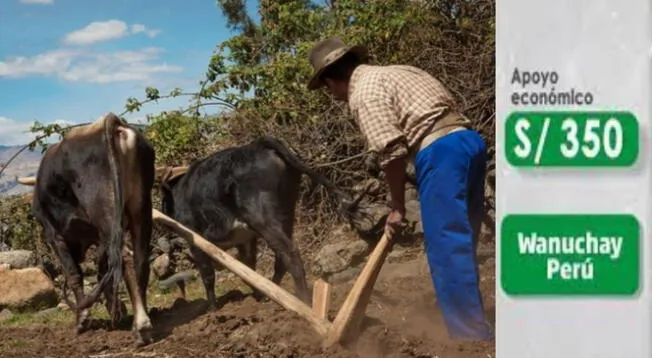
(70, 61)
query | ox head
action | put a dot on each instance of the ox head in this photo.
(169, 177)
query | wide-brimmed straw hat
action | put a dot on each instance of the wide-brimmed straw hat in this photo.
(326, 52)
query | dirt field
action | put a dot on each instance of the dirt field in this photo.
(402, 321)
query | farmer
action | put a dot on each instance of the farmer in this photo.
(406, 114)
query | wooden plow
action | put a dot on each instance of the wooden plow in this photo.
(346, 325)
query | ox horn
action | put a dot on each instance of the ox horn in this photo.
(166, 172)
(27, 181)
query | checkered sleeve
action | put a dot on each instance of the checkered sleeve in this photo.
(379, 124)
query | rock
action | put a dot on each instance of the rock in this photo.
(5, 315)
(4, 247)
(410, 170)
(26, 290)
(413, 211)
(47, 311)
(371, 215)
(161, 265)
(163, 244)
(411, 193)
(4, 267)
(413, 216)
(18, 259)
(63, 306)
(334, 258)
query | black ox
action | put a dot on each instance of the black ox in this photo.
(238, 194)
(92, 188)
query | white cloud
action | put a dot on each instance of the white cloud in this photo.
(96, 32)
(42, 2)
(17, 132)
(99, 31)
(78, 64)
(138, 28)
(14, 132)
(82, 65)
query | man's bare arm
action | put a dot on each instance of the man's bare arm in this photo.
(396, 178)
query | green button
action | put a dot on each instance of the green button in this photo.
(569, 255)
(571, 139)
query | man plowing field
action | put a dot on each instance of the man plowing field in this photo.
(406, 114)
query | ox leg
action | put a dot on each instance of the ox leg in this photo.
(207, 273)
(142, 325)
(279, 270)
(181, 284)
(247, 254)
(182, 290)
(279, 266)
(137, 275)
(284, 248)
(69, 259)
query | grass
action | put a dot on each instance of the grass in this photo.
(155, 297)
(60, 316)
(13, 343)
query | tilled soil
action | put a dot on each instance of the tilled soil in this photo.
(402, 321)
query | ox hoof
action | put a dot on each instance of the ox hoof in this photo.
(211, 305)
(144, 335)
(82, 322)
(81, 328)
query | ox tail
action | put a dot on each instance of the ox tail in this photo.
(347, 205)
(114, 245)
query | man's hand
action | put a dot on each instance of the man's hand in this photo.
(395, 223)
(395, 174)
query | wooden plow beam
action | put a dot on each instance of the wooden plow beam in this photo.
(346, 325)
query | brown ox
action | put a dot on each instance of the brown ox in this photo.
(92, 188)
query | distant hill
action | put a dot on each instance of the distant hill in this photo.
(26, 164)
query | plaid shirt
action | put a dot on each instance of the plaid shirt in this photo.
(396, 107)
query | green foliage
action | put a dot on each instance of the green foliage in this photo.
(273, 62)
(177, 138)
(17, 228)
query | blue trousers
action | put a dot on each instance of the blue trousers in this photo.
(450, 176)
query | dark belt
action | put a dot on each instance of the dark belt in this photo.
(431, 137)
